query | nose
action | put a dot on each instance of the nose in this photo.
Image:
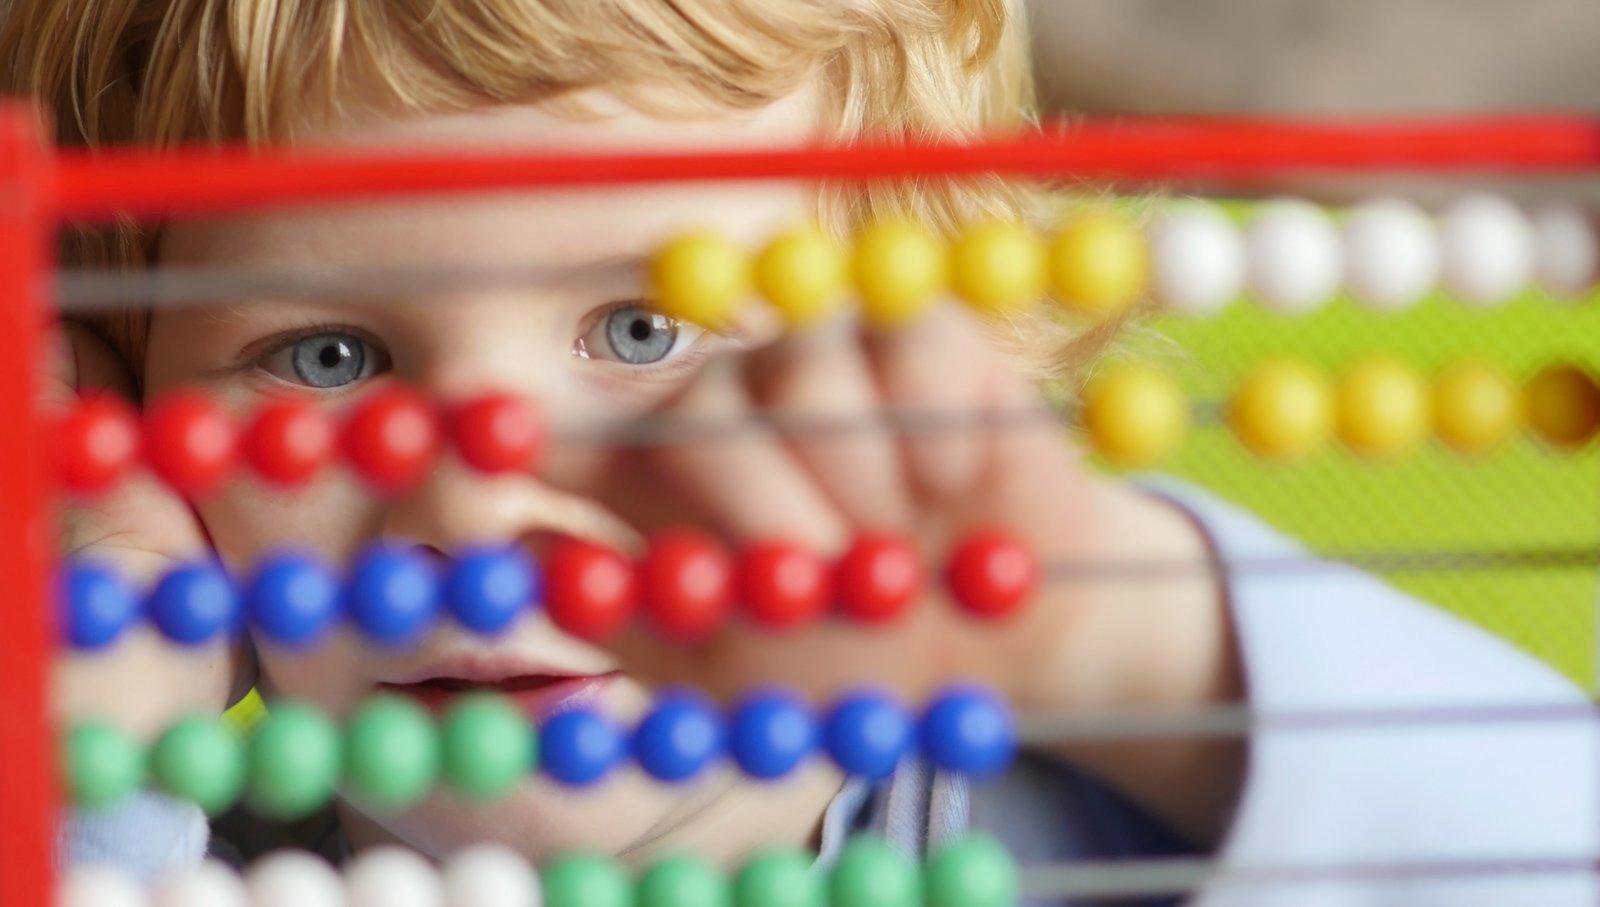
(457, 506)
(493, 344)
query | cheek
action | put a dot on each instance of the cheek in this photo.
(333, 517)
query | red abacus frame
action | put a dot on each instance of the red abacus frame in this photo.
(41, 189)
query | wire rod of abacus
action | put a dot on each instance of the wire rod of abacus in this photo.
(79, 289)
(164, 182)
(1240, 721)
(1570, 557)
(1125, 879)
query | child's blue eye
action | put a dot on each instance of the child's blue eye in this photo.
(635, 335)
(328, 360)
(639, 336)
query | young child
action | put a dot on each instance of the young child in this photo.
(630, 74)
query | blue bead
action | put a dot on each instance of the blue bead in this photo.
(394, 594)
(868, 734)
(580, 747)
(100, 606)
(488, 587)
(679, 737)
(194, 603)
(293, 599)
(969, 730)
(772, 732)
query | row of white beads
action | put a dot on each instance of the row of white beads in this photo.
(1387, 253)
(479, 876)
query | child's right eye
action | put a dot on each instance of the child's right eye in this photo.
(326, 360)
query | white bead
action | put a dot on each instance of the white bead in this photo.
(210, 884)
(293, 878)
(489, 875)
(1197, 259)
(1566, 250)
(392, 877)
(1293, 257)
(1391, 253)
(1488, 250)
(99, 886)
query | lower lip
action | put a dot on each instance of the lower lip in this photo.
(540, 703)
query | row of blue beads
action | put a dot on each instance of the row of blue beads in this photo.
(966, 729)
(393, 595)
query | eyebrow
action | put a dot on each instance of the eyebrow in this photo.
(88, 289)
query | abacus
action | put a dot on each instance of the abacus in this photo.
(1191, 261)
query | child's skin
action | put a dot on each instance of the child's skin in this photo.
(1159, 644)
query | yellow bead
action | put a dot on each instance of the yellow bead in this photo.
(803, 275)
(1475, 407)
(1382, 408)
(997, 266)
(1135, 415)
(1283, 410)
(700, 277)
(1563, 404)
(900, 269)
(1099, 265)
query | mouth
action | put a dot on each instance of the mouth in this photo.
(540, 696)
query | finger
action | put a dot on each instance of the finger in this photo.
(940, 373)
(721, 468)
(823, 383)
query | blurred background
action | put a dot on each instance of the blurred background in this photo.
(1318, 56)
(1342, 58)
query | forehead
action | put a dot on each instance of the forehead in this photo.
(522, 228)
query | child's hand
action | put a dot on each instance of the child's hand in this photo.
(141, 682)
(1073, 644)
(1157, 642)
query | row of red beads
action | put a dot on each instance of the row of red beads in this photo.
(390, 439)
(687, 583)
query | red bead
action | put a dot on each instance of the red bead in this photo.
(189, 442)
(878, 578)
(990, 574)
(392, 438)
(686, 581)
(589, 590)
(288, 442)
(497, 433)
(96, 443)
(782, 585)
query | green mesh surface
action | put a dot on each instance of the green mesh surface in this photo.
(1522, 496)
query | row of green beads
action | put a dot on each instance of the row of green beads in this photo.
(974, 871)
(389, 757)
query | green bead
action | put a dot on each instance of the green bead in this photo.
(391, 753)
(488, 746)
(102, 766)
(870, 873)
(975, 871)
(585, 880)
(683, 881)
(199, 760)
(779, 878)
(294, 762)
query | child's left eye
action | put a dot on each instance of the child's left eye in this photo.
(635, 335)
(326, 360)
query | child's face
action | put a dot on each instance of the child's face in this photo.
(578, 346)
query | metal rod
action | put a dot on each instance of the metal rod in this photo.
(1107, 879)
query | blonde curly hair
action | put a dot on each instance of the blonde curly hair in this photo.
(165, 72)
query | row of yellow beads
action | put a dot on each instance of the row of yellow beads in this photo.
(1096, 266)
(1136, 415)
